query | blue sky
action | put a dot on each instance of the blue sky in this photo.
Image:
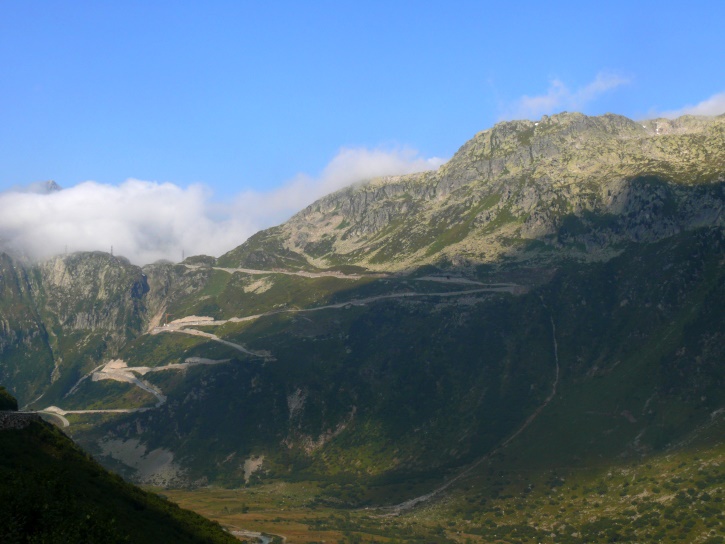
(248, 98)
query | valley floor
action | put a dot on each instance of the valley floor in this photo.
(676, 496)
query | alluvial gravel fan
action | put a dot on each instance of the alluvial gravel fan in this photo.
(548, 304)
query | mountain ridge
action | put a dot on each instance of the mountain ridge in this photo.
(512, 184)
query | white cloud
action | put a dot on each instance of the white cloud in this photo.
(559, 97)
(715, 105)
(146, 221)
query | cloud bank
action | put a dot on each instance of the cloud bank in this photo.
(559, 97)
(715, 105)
(147, 221)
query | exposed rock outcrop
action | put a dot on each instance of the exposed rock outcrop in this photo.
(578, 183)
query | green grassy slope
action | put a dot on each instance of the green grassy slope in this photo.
(404, 389)
(26, 359)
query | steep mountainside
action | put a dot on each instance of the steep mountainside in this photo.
(62, 316)
(432, 374)
(552, 297)
(566, 184)
(26, 361)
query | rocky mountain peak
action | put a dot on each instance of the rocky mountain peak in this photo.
(514, 185)
(42, 187)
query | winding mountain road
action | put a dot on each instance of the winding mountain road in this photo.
(181, 324)
(302, 273)
(118, 370)
(194, 332)
(60, 413)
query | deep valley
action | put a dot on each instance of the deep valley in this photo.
(525, 345)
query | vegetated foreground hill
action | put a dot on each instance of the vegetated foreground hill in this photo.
(51, 491)
(565, 273)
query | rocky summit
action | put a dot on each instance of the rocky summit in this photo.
(526, 342)
(571, 183)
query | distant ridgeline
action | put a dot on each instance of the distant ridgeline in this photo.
(562, 279)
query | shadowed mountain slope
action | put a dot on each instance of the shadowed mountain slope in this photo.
(51, 491)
